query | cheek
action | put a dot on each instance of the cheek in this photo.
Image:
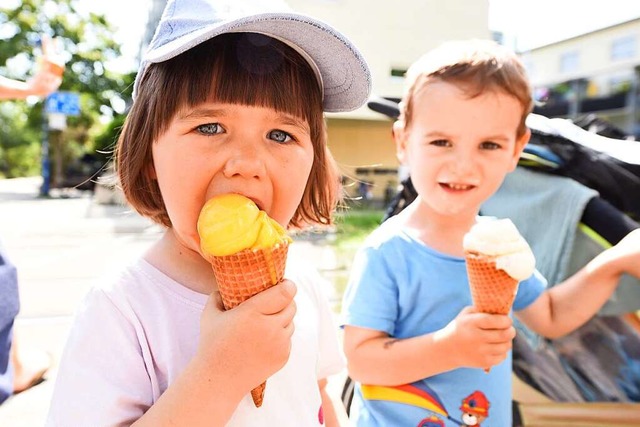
(290, 181)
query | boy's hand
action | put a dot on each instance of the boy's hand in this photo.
(478, 340)
(251, 341)
(625, 256)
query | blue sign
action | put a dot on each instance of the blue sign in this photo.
(67, 103)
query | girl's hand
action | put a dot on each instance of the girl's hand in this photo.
(478, 340)
(251, 341)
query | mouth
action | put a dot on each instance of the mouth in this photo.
(255, 200)
(455, 187)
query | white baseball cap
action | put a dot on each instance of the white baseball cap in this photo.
(341, 70)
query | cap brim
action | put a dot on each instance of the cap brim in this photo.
(342, 70)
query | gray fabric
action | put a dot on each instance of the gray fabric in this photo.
(9, 306)
(341, 69)
(626, 298)
(546, 209)
(9, 302)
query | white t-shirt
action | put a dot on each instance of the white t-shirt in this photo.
(133, 337)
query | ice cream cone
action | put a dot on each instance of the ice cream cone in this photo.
(497, 258)
(246, 273)
(492, 290)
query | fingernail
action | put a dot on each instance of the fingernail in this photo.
(290, 287)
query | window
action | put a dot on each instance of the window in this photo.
(569, 62)
(623, 48)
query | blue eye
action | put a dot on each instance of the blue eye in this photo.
(279, 136)
(210, 129)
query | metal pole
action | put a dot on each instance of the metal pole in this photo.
(46, 163)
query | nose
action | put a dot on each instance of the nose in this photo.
(462, 162)
(244, 160)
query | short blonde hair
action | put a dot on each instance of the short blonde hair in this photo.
(476, 66)
(240, 68)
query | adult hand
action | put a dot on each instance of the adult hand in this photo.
(48, 77)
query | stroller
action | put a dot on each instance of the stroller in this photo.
(592, 376)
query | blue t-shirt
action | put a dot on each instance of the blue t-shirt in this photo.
(400, 286)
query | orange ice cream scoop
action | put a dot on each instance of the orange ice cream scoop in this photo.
(230, 223)
(247, 250)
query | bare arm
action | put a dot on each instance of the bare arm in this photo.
(41, 84)
(46, 80)
(335, 415)
(199, 397)
(570, 304)
(231, 359)
(472, 339)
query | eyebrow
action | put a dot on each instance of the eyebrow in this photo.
(201, 113)
(290, 120)
(206, 112)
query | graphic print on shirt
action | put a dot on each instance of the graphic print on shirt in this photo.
(431, 421)
(474, 407)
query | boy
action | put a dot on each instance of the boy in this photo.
(411, 336)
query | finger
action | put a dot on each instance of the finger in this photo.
(274, 299)
(469, 309)
(494, 321)
(45, 43)
(214, 302)
(500, 336)
(290, 329)
(287, 314)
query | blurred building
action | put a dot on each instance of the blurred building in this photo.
(591, 75)
(390, 35)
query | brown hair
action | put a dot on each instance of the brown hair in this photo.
(264, 72)
(476, 66)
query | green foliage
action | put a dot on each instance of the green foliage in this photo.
(352, 226)
(19, 147)
(87, 44)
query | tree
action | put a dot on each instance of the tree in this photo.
(87, 44)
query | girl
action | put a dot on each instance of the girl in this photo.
(224, 103)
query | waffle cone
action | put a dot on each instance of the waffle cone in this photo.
(244, 274)
(492, 290)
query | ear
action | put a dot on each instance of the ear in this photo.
(400, 134)
(519, 147)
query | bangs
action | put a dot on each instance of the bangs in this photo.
(246, 69)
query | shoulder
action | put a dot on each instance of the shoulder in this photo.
(306, 276)
(130, 282)
(388, 234)
(138, 291)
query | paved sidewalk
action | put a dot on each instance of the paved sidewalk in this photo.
(61, 246)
